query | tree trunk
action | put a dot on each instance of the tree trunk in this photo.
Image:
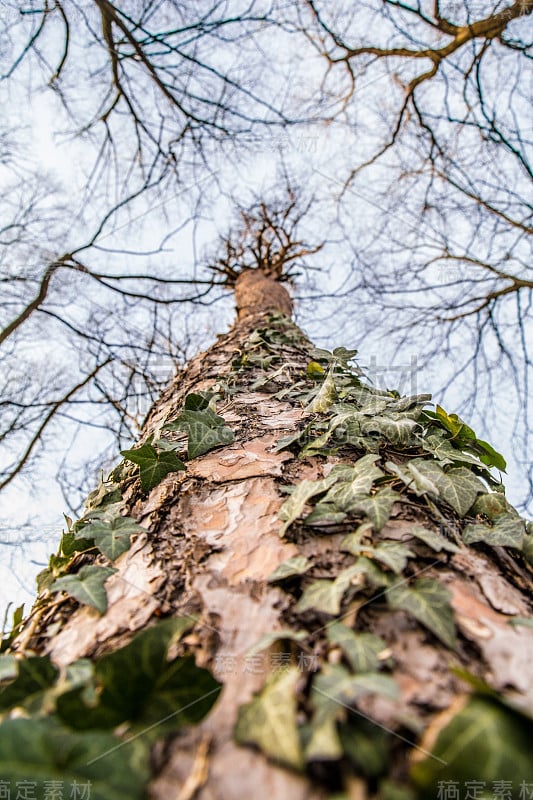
(213, 540)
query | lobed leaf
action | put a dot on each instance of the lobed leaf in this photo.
(269, 721)
(429, 602)
(154, 465)
(86, 586)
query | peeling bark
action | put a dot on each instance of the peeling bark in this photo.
(213, 540)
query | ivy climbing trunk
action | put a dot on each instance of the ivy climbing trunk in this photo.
(336, 558)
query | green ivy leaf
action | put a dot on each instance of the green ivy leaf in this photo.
(198, 401)
(323, 595)
(343, 356)
(334, 688)
(205, 430)
(492, 505)
(154, 465)
(390, 790)
(377, 507)
(444, 451)
(459, 487)
(42, 751)
(490, 456)
(87, 586)
(73, 543)
(405, 403)
(429, 602)
(366, 745)
(301, 494)
(505, 531)
(326, 396)
(139, 685)
(454, 425)
(324, 743)
(372, 406)
(113, 536)
(397, 429)
(485, 741)
(32, 678)
(276, 636)
(324, 514)
(315, 370)
(434, 539)
(527, 548)
(269, 721)
(393, 554)
(107, 492)
(353, 481)
(293, 566)
(361, 649)
(18, 616)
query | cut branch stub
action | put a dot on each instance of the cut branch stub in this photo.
(257, 293)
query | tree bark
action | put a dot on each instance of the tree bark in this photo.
(212, 541)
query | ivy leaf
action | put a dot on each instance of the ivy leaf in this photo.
(459, 487)
(442, 448)
(315, 370)
(138, 684)
(393, 554)
(269, 721)
(404, 403)
(198, 401)
(353, 481)
(205, 430)
(292, 438)
(87, 586)
(301, 494)
(73, 543)
(505, 531)
(324, 743)
(373, 406)
(527, 548)
(454, 425)
(275, 636)
(361, 649)
(398, 430)
(326, 396)
(485, 741)
(343, 356)
(44, 751)
(434, 539)
(33, 677)
(334, 687)
(112, 536)
(367, 746)
(492, 505)
(377, 507)
(390, 790)
(372, 572)
(293, 566)
(429, 602)
(323, 595)
(324, 514)
(107, 492)
(154, 466)
(490, 456)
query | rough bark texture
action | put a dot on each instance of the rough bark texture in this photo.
(255, 292)
(212, 541)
